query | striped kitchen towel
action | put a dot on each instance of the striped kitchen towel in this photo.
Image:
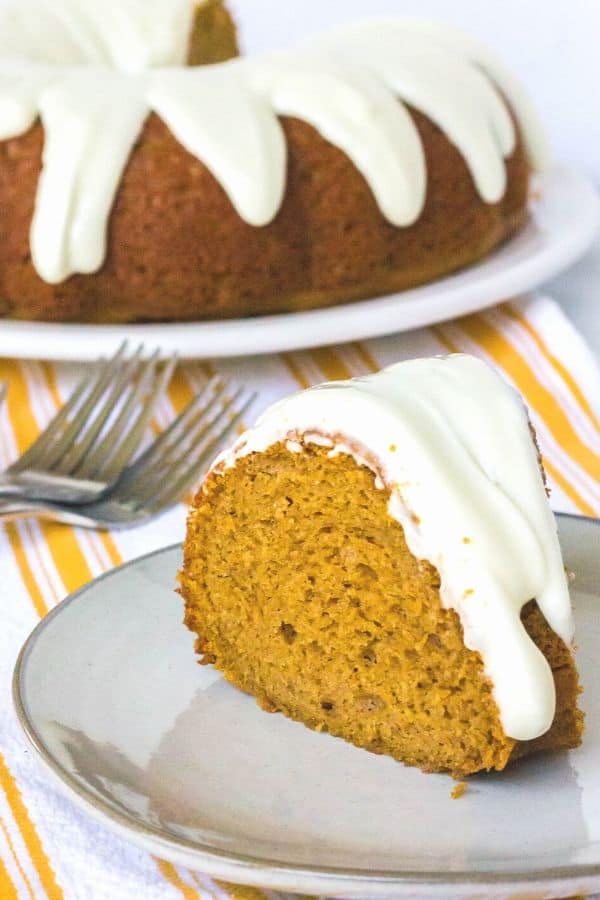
(48, 848)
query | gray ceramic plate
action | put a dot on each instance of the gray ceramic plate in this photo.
(167, 754)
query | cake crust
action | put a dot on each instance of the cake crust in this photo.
(178, 251)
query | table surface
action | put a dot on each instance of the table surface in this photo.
(578, 292)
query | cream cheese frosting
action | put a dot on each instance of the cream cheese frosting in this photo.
(129, 35)
(451, 441)
(94, 72)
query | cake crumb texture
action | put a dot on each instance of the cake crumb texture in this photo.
(301, 589)
(459, 790)
(213, 37)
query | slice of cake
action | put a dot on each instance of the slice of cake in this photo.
(377, 558)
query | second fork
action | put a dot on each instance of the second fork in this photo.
(84, 449)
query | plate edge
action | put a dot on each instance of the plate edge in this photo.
(251, 870)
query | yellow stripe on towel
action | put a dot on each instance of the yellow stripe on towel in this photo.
(554, 361)
(330, 363)
(33, 589)
(244, 892)
(498, 347)
(572, 493)
(6, 882)
(295, 371)
(7, 889)
(28, 832)
(171, 874)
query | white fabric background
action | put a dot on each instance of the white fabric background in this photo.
(553, 45)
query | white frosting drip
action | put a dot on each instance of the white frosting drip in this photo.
(453, 78)
(94, 71)
(130, 35)
(354, 110)
(452, 443)
(90, 127)
(200, 112)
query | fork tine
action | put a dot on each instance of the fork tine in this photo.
(200, 425)
(97, 456)
(43, 451)
(170, 494)
(150, 484)
(31, 456)
(178, 450)
(111, 454)
(199, 406)
(87, 425)
(171, 435)
(136, 429)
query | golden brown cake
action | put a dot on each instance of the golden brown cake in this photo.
(213, 37)
(293, 181)
(377, 559)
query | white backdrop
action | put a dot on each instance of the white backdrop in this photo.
(554, 46)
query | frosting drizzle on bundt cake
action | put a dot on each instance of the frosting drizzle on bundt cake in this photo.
(97, 74)
(451, 442)
(131, 35)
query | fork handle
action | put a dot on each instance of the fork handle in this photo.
(24, 509)
(32, 485)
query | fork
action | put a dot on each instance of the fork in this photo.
(89, 442)
(162, 475)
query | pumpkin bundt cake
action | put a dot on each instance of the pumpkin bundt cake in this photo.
(377, 558)
(374, 158)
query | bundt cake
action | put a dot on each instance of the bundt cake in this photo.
(377, 559)
(373, 158)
